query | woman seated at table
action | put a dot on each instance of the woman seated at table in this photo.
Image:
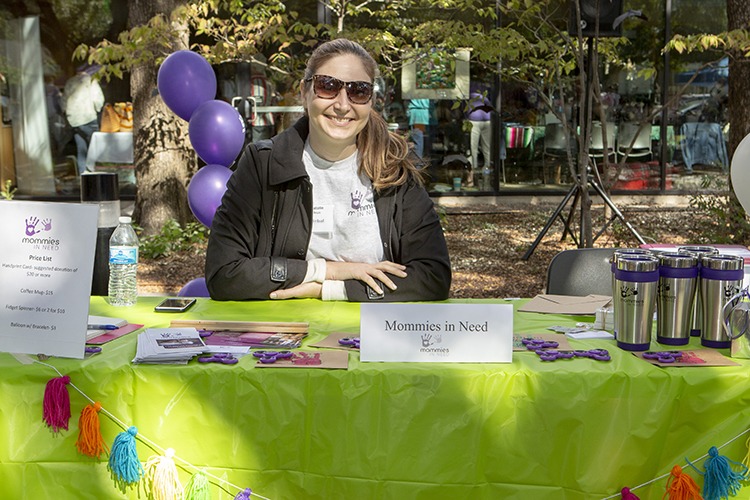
(331, 208)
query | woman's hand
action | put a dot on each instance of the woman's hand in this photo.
(366, 272)
(311, 290)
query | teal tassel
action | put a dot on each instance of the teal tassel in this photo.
(124, 465)
(719, 479)
(197, 487)
(244, 494)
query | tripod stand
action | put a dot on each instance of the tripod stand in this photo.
(575, 194)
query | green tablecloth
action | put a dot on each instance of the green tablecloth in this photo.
(575, 429)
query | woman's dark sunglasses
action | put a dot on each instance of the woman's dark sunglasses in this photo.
(328, 87)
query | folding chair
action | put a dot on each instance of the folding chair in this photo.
(580, 272)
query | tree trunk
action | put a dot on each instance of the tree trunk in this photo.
(164, 159)
(738, 17)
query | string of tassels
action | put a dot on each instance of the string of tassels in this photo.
(663, 476)
(123, 463)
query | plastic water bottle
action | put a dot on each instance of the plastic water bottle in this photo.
(123, 264)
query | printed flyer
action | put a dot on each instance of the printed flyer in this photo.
(46, 270)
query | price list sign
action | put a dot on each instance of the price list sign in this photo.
(47, 263)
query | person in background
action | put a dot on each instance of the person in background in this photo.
(333, 207)
(59, 130)
(83, 99)
(420, 113)
(479, 115)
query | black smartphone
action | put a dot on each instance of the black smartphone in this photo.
(174, 305)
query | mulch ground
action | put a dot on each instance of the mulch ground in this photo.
(486, 247)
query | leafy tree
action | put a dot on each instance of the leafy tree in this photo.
(527, 42)
(163, 157)
(734, 43)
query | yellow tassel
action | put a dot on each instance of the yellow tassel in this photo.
(746, 460)
(90, 441)
(161, 477)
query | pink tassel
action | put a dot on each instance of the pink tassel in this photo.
(626, 494)
(56, 406)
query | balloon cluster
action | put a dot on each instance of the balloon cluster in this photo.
(187, 85)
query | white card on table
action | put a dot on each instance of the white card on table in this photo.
(46, 269)
(439, 332)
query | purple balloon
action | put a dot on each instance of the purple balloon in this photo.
(205, 191)
(185, 81)
(194, 288)
(217, 132)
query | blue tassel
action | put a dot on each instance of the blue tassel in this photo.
(124, 465)
(719, 479)
(244, 494)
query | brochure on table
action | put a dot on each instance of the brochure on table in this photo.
(46, 270)
(441, 333)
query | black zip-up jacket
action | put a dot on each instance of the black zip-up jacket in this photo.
(260, 233)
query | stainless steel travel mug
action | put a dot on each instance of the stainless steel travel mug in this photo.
(613, 261)
(721, 279)
(636, 279)
(696, 318)
(678, 279)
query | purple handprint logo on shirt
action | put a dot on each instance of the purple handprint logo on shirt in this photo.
(357, 199)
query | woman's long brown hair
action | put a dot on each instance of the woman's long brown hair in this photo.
(384, 156)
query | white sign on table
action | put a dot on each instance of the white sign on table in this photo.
(47, 263)
(439, 333)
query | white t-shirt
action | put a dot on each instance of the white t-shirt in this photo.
(345, 223)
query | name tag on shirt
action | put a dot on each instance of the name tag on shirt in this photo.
(323, 219)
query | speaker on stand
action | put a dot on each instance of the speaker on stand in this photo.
(607, 12)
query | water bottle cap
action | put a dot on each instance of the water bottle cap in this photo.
(124, 219)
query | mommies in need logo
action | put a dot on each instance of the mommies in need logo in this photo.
(362, 203)
(34, 225)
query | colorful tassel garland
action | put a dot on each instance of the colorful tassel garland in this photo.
(720, 481)
(244, 494)
(626, 494)
(124, 465)
(56, 405)
(90, 441)
(198, 487)
(161, 477)
(681, 486)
